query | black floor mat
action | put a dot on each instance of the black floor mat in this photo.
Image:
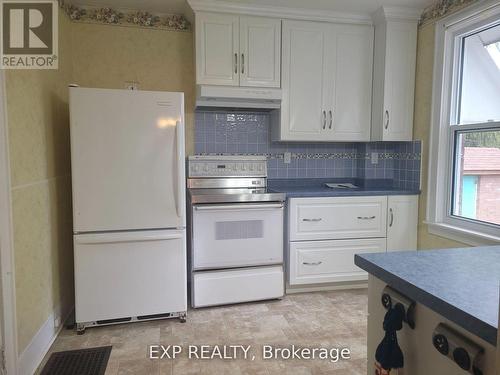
(91, 361)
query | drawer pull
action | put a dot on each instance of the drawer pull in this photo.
(312, 220)
(312, 263)
(366, 217)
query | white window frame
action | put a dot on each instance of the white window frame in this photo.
(449, 31)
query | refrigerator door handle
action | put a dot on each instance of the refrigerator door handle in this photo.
(179, 172)
(102, 238)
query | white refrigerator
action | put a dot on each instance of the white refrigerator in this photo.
(129, 217)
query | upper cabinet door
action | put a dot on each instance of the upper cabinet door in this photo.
(394, 80)
(217, 49)
(350, 82)
(399, 85)
(260, 52)
(303, 117)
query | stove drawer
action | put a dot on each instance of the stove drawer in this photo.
(212, 288)
(237, 235)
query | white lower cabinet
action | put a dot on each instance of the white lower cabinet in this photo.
(337, 217)
(325, 233)
(313, 262)
(402, 221)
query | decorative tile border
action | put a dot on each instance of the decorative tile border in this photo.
(138, 18)
(329, 156)
(442, 8)
(242, 133)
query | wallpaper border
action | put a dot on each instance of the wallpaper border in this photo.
(441, 9)
(130, 18)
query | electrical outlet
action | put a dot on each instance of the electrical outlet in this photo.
(57, 322)
(287, 157)
(374, 158)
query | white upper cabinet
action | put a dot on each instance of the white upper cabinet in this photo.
(394, 78)
(260, 52)
(402, 222)
(304, 65)
(217, 49)
(326, 82)
(350, 83)
(236, 50)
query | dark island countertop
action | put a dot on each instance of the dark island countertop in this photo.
(460, 284)
(314, 187)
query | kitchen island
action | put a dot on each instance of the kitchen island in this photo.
(455, 287)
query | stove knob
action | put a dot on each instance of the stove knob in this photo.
(252, 167)
(261, 167)
(462, 358)
(205, 168)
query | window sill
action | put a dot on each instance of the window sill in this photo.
(465, 236)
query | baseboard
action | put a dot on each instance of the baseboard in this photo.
(33, 355)
(322, 288)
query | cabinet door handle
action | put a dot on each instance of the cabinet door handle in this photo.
(312, 263)
(386, 125)
(315, 220)
(366, 217)
(324, 119)
(331, 118)
(235, 63)
(242, 63)
(391, 213)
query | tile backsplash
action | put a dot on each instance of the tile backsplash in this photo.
(249, 133)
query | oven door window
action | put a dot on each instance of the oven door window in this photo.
(239, 230)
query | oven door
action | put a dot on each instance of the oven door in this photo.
(237, 235)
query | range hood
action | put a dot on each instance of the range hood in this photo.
(237, 97)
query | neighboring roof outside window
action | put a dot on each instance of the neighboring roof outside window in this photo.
(481, 160)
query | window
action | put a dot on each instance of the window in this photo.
(464, 168)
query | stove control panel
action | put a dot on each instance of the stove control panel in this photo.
(227, 166)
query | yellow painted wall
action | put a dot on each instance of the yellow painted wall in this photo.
(38, 126)
(421, 130)
(108, 56)
(37, 103)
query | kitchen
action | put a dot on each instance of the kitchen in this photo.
(259, 114)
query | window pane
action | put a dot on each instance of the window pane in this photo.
(480, 81)
(477, 176)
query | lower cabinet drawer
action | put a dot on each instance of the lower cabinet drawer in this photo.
(328, 218)
(237, 285)
(313, 262)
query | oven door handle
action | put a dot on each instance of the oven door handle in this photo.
(211, 207)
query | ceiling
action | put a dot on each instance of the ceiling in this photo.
(180, 6)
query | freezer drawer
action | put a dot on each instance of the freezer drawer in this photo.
(119, 275)
(237, 285)
(314, 262)
(237, 235)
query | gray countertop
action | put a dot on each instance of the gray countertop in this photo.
(301, 188)
(460, 284)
